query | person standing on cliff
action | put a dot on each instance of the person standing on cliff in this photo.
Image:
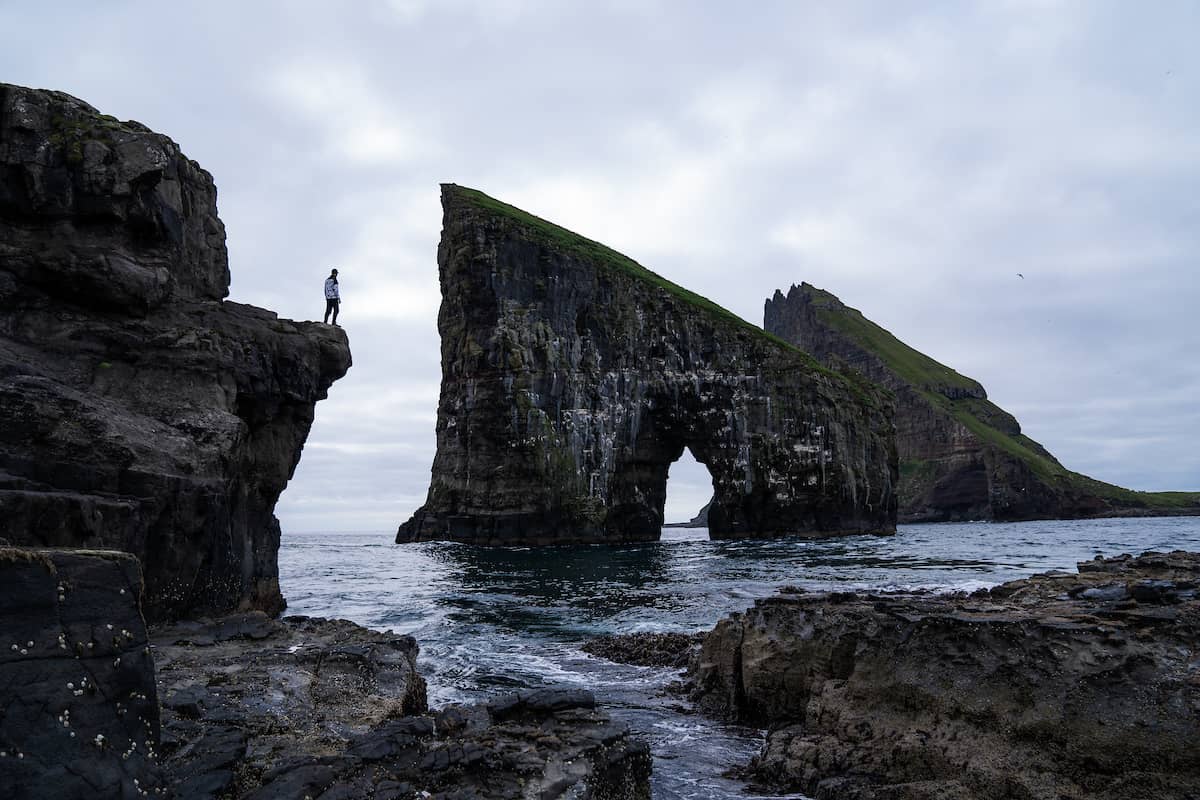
(333, 298)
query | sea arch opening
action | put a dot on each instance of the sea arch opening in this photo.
(689, 490)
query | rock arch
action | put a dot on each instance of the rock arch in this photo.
(572, 378)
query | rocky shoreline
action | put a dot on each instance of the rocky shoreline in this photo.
(247, 706)
(1057, 686)
(260, 708)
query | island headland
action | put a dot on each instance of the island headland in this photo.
(149, 426)
(961, 456)
(572, 377)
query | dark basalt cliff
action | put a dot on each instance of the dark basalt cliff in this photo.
(961, 456)
(572, 377)
(140, 411)
(1053, 687)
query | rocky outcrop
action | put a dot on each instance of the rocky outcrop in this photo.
(572, 378)
(646, 649)
(1058, 686)
(961, 456)
(259, 708)
(79, 711)
(142, 412)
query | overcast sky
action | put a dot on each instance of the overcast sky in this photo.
(912, 158)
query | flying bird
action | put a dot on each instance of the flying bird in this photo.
(1019, 275)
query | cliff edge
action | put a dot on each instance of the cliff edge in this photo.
(572, 377)
(961, 456)
(142, 412)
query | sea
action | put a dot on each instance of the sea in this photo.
(494, 620)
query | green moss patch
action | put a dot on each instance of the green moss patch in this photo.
(70, 134)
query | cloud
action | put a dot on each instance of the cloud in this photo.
(357, 125)
(910, 159)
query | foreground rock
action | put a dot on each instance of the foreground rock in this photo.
(78, 706)
(259, 708)
(141, 411)
(961, 456)
(572, 377)
(1059, 686)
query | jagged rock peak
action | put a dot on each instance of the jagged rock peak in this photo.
(141, 412)
(572, 377)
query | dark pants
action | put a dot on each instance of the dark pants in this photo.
(332, 305)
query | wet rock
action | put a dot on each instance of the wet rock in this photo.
(646, 649)
(143, 412)
(1151, 591)
(539, 702)
(1050, 687)
(573, 377)
(301, 707)
(78, 705)
(961, 456)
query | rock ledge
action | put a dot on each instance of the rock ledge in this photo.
(1058, 686)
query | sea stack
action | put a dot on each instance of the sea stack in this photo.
(142, 411)
(572, 377)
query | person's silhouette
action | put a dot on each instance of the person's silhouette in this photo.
(333, 297)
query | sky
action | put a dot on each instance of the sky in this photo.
(911, 158)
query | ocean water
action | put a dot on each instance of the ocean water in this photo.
(494, 620)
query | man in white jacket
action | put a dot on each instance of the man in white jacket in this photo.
(333, 298)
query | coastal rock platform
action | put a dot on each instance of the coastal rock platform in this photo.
(1056, 686)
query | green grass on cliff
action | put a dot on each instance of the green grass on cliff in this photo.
(927, 376)
(912, 365)
(590, 250)
(594, 252)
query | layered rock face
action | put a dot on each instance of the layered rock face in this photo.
(79, 711)
(572, 378)
(1059, 686)
(961, 456)
(141, 412)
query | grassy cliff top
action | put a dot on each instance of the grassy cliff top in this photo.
(912, 365)
(927, 375)
(571, 243)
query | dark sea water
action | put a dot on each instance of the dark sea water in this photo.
(494, 620)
